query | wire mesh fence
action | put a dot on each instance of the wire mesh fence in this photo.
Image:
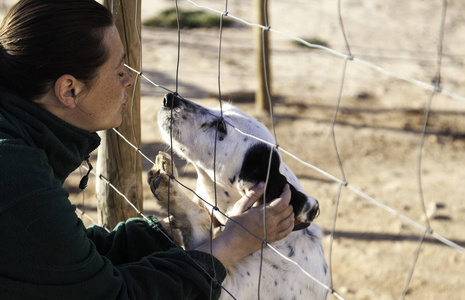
(376, 134)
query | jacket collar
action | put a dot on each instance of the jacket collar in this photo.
(65, 145)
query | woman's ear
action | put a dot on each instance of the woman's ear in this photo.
(67, 87)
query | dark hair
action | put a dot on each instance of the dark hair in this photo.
(41, 40)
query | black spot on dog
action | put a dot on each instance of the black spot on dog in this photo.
(255, 168)
(310, 234)
(291, 251)
(221, 126)
(232, 180)
(226, 193)
(248, 273)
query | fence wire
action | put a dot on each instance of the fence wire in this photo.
(340, 179)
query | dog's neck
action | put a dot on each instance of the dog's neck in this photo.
(226, 194)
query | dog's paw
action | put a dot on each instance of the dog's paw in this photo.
(161, 179)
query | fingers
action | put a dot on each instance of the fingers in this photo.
(282, 216)
(279, 217)
(285, 226)
(280, 204)
(252, 196)
(279, 222)
(171, 230)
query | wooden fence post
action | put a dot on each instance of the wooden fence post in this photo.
(117, 161)
(261, 48)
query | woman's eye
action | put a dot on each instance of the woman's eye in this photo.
(121, 74)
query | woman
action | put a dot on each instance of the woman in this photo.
(62, 78)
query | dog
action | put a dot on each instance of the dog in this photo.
(213, 141)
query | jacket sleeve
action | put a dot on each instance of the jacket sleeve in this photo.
(144, 243)
(47, 253)
(130, 240)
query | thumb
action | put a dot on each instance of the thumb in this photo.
(252, 196)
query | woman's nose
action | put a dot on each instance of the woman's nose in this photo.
(130, 78)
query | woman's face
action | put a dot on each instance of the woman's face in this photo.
(101, 105)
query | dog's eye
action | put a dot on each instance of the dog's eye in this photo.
(221, 126)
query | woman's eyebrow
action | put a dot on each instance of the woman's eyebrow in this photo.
(121, 61)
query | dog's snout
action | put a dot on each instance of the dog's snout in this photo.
(171, 101)
(314, 212)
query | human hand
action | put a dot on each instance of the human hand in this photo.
(279, 218)
(235, 242)
(171, 229)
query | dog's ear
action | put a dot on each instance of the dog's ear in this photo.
(254, 170)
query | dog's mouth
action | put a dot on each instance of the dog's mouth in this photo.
(310, 215)
(298, 225)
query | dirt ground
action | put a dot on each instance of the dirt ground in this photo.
(378, 128)
(377, 132)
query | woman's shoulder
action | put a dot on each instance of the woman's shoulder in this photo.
(25, 169)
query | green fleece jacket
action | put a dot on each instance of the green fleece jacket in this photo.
(45, 250)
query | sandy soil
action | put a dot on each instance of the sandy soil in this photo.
(378, 128)
(377, 131)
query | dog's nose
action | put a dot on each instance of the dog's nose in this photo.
(171, 101)
(314, 212)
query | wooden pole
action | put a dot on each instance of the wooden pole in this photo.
(117, 161)
(262, 58)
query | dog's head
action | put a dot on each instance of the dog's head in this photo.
(226, 140)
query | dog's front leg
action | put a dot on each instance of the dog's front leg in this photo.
(190, 218)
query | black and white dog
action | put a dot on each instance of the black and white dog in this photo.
(240, 163)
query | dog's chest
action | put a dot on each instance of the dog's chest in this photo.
(278, 277)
